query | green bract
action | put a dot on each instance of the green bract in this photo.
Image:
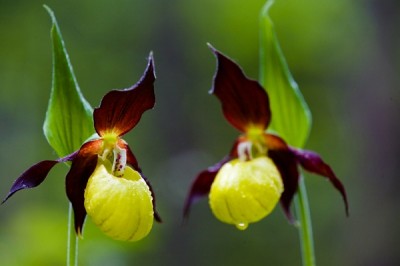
(69, 120)
(291, 116)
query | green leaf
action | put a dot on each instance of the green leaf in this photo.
(291, 117)
(69, 120)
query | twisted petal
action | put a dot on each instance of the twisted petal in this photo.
(202, 184)
(286, 163)
(82, 167)
(244, 102)
(36, 174)
(121, 110)
(313, 163)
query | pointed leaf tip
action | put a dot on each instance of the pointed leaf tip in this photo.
(244, 102)
(121, 110)
(68, 121)
(50, 12)
(291, 115)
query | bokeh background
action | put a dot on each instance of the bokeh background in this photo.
(344, 55)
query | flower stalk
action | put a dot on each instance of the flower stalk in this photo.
(304, 225)
(273, 68)
(72, 240)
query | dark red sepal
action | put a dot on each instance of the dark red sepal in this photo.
(244, 101)
(36, 174)
(121, 110)
(81, 169)
(202, 184)
(313, 163)
(286, 163)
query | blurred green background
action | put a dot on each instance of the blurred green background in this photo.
(344, 55)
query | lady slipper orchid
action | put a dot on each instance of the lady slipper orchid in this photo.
(105, 180)
(261, 169)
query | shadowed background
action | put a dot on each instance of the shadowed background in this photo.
(344, 55)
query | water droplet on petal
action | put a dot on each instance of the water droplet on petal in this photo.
(242, 226)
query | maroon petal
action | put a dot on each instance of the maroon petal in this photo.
(313, 163)
(202, 185)
(286, 163)
(121, 110)
(36, 174)
(81, 169)
(244, 101)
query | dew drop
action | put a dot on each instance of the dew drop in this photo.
(242, 226)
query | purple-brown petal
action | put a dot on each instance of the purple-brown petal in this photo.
(286, 163)
(202, 184)
(313, 163)
(81, 169)
(121, 110)
(244, 101)
(35, 175)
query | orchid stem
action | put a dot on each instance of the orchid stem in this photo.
(72, 241)
(273, 67)
(304, 225)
